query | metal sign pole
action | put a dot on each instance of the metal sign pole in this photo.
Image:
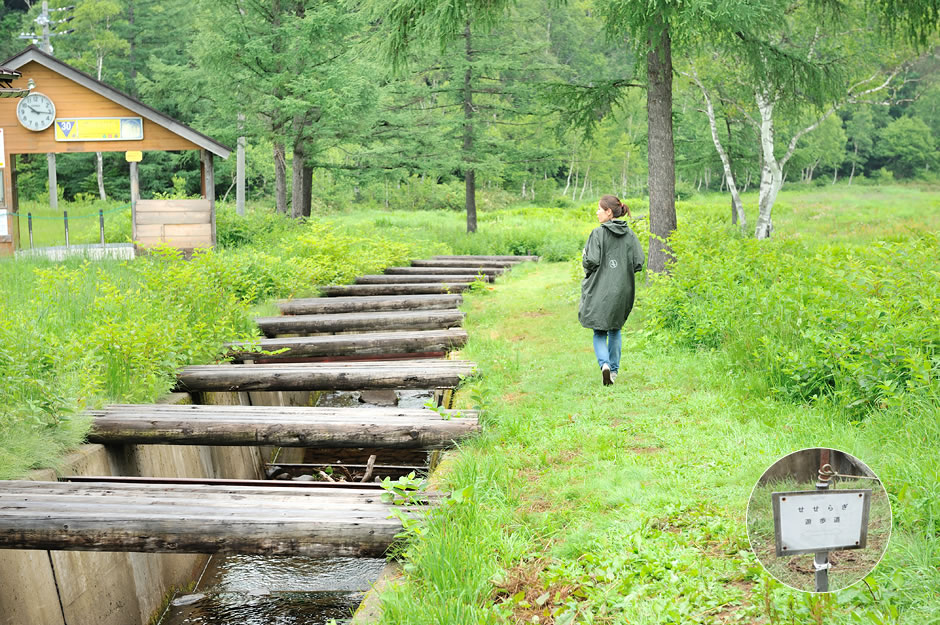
(821, 558)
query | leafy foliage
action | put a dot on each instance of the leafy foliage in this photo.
(842, 322)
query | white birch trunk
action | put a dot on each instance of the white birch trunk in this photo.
(587, 173)
(568, 181)
(723, 155)
(99, 161)
(854, 160)
(771, 175)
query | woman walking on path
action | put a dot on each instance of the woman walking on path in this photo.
(610, 258)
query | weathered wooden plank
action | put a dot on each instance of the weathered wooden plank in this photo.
(385, 278)
(463, 271)
(259, 486)
(393, 289)
(378, 303)
(193, 519)
(176, 206)
(145, 219)
(196, 411)
(188, 230)
(347, 376)
(346, 429)
(366, 344)
(351, 322)
(461, 263)
(515, 259)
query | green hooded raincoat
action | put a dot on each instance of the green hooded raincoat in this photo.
(610, 258)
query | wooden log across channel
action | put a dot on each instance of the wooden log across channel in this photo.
(374, 303)
(385, 278)
(337, 376)
(513, 259)
(365, 344)
(474, 264)
(427, 288)
(194, 518)
(458, 271)
(353, 322)
(282, 426)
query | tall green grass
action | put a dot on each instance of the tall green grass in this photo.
(627, 504)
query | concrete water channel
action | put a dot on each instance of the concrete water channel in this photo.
(286, 590)
(356, 432)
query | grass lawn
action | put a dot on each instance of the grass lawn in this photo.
(627, 504)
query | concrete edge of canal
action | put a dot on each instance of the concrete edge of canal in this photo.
(105, 588)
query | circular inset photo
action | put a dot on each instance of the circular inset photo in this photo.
(819, 520)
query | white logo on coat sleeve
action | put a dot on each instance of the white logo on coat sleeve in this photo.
(612, 263)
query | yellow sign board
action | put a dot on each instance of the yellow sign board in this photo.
(133, 156)
(99, 129)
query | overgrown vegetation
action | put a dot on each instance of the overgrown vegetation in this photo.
(77, 335)
(578, 503)
(627, 504)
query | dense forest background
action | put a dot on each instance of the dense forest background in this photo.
(542, 102)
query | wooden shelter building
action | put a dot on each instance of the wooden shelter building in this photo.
(90, 116)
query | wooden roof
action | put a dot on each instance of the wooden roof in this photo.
(33, 53)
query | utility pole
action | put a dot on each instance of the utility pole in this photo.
(45, 21)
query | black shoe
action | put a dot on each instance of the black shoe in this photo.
(605, 374)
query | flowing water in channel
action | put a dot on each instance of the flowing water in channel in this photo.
(284, 590)
(276, 590)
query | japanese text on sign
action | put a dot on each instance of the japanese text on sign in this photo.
(99, 129)
(810, 521)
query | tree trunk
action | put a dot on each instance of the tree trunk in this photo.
(854, 160)
(469, 175)
(99, 169)
(297, 181)
(99, 161)
(307, 190)
(661, 149)
(280, 178)
(737, 211)
(470, 186)
(568, 180)
(587, 173)
(771, 177)
(132, 50)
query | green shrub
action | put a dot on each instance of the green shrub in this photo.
(853, 324)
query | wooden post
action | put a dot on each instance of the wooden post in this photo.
(208, 183)
(9, 227)
(14, 201)
(53, 182)
(135, 197)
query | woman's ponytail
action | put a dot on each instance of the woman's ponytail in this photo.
(614, 205)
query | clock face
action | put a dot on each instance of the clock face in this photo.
(36, 111)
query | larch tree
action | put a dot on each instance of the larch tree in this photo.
(456, 27)
(96, 38)
(654, 28)
(288, 67)
(469, 108)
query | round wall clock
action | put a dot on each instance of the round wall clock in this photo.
(36, 111)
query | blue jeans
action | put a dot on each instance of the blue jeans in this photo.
(607, 348)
